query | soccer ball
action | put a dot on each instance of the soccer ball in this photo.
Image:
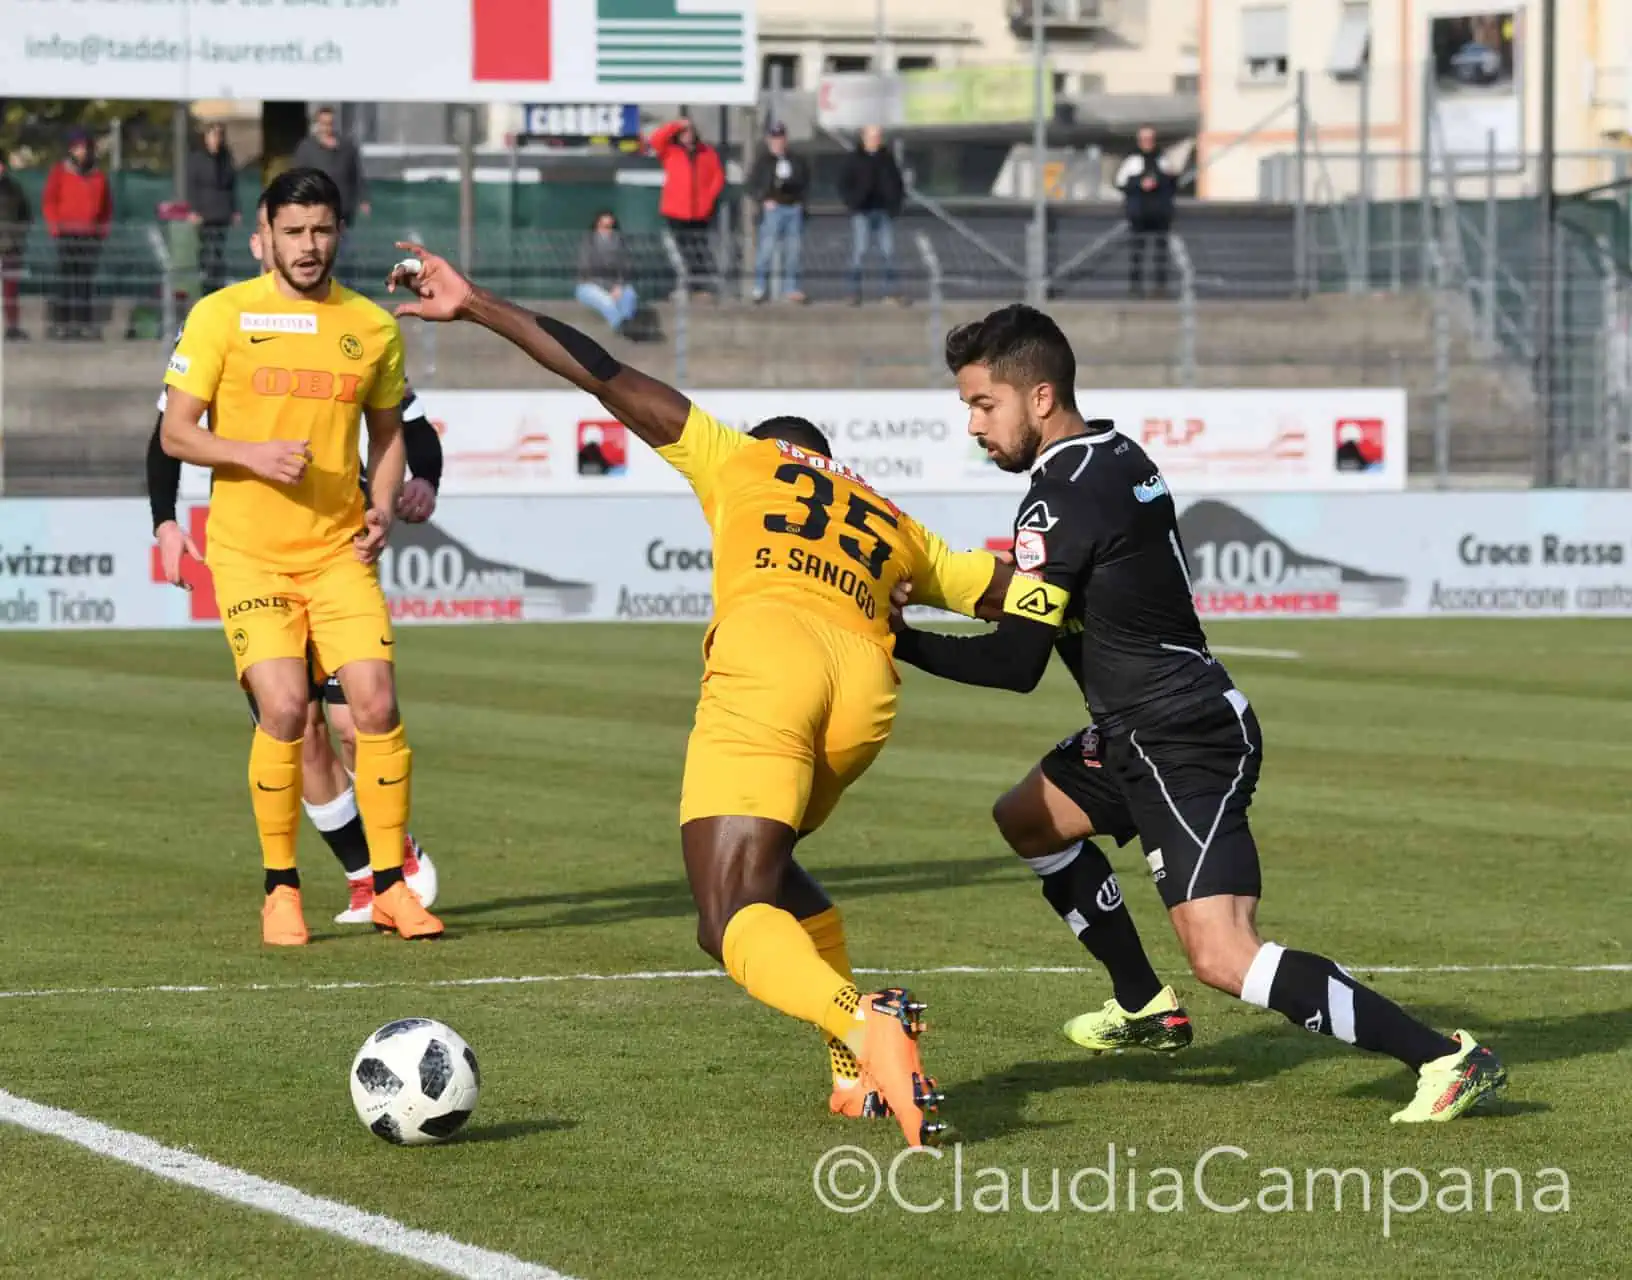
(414, 1081)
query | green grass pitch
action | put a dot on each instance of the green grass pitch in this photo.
(1434, 794)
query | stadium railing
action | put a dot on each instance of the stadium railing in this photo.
(1236, 315)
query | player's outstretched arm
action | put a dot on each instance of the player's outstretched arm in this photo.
(652, 409)
(1013, 656)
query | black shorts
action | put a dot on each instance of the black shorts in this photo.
(1077, 767)
(325, 689)
(1183, 787)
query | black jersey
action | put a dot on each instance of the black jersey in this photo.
(1099, 528)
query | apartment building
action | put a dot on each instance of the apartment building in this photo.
(1456, 79)
(1112, 48)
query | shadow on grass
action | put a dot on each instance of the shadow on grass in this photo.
(509, 1130)
(992, 1106)
(666, 899)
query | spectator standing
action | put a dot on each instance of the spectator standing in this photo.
(603, 273)
(78, 208)
(780, 181)
(212, 193)
(1148, 194)
(15, 215)
(338, 157)
(872, 190)
(693, 180)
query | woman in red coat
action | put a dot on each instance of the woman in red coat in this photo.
(693, 179)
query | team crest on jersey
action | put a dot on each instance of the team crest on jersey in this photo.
(1030, 551)
(257, 322)
(1038, 517)
(351, 347)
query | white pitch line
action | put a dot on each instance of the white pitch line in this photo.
(680, 975)
(1246, 651)
(175, 1165)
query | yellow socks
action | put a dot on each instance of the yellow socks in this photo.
(274, 793)
(773, 959)
(385, 768)
(826, 932)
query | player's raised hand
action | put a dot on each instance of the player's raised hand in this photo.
(371, 541)
(417, 501)
(440, 292)
(900, 597)
(174, 544)
(280, 461)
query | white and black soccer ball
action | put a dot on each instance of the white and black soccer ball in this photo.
(415, 1081)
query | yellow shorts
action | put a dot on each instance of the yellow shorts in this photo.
(793, 710)
(338, 607)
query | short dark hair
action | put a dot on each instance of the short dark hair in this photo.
(1021, 346)
(300, 187)
(604, 213)
(801, 432)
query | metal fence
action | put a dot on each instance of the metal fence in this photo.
(1248, 299)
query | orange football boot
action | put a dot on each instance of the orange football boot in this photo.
(283, 924)
(890, 1063)
(399, 909)
(859, 1099)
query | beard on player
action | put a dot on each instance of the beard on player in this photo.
(306, 263)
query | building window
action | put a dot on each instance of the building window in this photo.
(1187, 84)
(914, 62)
(779, 71)
(1062, 84)
(1264, 44)
(1352, 47)
(1090, 82)
(847, 62)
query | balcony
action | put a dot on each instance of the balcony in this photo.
(1063, 18)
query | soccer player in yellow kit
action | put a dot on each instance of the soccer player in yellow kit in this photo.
(286, 365)
(798, 690)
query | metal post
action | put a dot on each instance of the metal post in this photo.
(879, 69)
(1360, 281)
(467, 187)
(1396, 264)
(1300, 202)
(1442, 370)
(1038, 282)
(1546, 267)
(1425, 196)
(180, 140)
(1489, 328)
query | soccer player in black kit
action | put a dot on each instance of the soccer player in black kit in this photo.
(1101, 578)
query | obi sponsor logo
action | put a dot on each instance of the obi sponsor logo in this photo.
(305, 384)
(256, 322)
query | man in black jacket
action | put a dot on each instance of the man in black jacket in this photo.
(212, 193)
(780, 181)
(871, 187)
(1148, 192)
(15, 215)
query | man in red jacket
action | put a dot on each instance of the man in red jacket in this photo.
(693, 178)
(78, 208)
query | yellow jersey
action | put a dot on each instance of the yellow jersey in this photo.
(799, 527)
(277, 368)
